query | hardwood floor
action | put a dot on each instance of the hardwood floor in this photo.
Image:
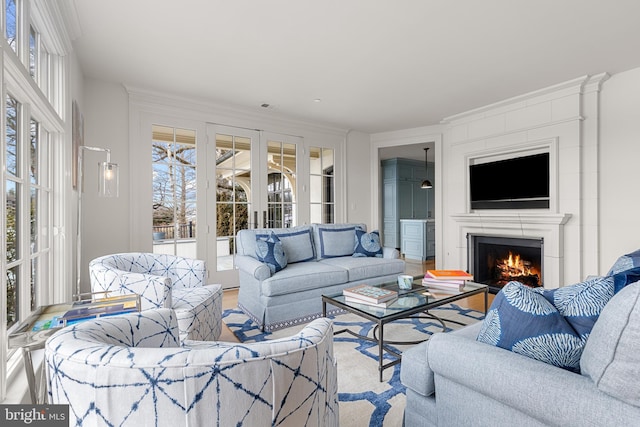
(414, 268)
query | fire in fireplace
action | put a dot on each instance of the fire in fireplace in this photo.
(496, 260)
(514, 267)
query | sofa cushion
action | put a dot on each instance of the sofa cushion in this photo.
(334, 240)
(303, 276)
(270, 251)
(367, 244)
(611, 357)
(366, 268)
(625, 262)
(525, 322)
(296, 241)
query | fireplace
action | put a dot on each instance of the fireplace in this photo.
(497, 260)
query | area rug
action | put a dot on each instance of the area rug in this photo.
(364, 400)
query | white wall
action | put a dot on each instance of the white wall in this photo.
(619, 159)
(358, 160)
(106, 225)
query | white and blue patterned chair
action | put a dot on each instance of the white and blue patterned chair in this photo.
(164, 281)
(131, 370)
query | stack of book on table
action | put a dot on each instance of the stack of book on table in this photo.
(370, 295)
(452, 280)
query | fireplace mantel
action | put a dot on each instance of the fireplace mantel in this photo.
(512, 218)
(547, 226)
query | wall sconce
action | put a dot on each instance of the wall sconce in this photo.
(108, 186)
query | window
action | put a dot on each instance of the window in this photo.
(31, 129)
(11, 24)
(33, 52)
(174, 190)
(322, 187)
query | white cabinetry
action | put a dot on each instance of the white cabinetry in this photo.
(418, 238)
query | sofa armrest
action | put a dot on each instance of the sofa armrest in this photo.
(253, 267)
(392, 253)
(544, 392)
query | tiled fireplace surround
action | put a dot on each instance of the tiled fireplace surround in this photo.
(561, 120)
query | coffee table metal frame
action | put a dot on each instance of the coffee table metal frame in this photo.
(388, 316)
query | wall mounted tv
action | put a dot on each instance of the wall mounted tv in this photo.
(516, 183)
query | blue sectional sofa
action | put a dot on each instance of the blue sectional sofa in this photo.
(455, 380)
(320, 260)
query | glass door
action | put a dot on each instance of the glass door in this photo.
(280, 195)
(255, 186)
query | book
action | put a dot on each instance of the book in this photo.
(370, 293)
(383, 304)
(442, 285)
(440, 281)
(449, 274)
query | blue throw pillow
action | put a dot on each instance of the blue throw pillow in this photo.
(624, 278)
(367, 244)
(581, 304)
(525, 322)
(269, 250)
(625, 262)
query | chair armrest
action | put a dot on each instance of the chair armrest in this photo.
(544, 392)
(154, 291)
(184, 272)
(253, 267)
(392, 253)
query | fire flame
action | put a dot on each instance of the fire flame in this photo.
(515, 266)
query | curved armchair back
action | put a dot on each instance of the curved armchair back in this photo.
(131, 370)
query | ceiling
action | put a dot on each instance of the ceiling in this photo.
(374, 66)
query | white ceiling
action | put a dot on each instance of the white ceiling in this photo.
(376, 65)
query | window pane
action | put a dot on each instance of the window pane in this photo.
(316, 213)
(11, 22)
(33, 159)
(34, 220)
(327, 161)
(34, 281)
(12, 136)
(315, 187)
(33, 52)
(12, 296)
(315, 161)
(12, 220)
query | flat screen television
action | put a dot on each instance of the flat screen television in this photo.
(516, 183)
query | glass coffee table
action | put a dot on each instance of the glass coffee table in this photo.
(414, 302)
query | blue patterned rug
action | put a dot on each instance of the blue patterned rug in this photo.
(364, 400)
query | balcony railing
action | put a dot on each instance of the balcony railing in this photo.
(183, 231)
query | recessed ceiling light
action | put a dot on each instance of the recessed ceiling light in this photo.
(317, 100)
(265, 105)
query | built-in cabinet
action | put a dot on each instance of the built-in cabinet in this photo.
(418, 238)
(402, 196)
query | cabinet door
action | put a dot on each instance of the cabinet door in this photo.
(420, 201)
(405, 199)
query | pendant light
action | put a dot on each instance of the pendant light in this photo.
(426, 183)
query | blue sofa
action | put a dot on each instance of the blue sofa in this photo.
(455, 380)
(320, 261)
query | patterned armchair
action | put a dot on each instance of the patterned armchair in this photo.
(132, 370)
(164, 281)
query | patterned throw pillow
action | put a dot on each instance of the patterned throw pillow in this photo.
(625, 262)
(367, 244)
(269, 250)
(525, 322)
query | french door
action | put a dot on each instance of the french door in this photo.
(252, 183)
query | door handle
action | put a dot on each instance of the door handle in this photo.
(255, 219)
(264, 219)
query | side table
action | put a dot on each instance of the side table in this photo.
(33, 333)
